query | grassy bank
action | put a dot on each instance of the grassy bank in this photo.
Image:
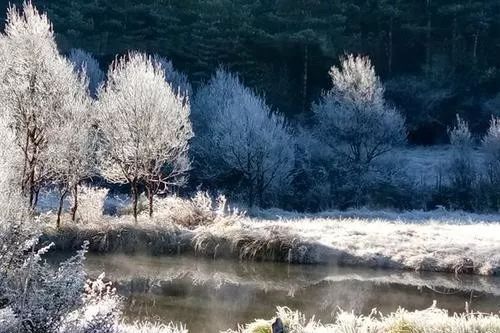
(428, 246)
(430, 320)
(440, 241)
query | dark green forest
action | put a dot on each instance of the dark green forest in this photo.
(437, 58)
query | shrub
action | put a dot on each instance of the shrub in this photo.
(91, 203)
(491, 148)
(201, 209)
(100, 312)
(461, 171)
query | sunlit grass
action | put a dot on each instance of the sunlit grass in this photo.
(432, 320)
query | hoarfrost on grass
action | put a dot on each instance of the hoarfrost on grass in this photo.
(389, 242)
(440, 241)
(431, 320)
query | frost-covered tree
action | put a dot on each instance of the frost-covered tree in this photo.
(356, 123)
(491, 148)
(85, 64)
(38, 89)
(353, 117)
(462, 170)
(236, 132)
(34, 294)
(145, 127)
(179, 81)
(71, 156)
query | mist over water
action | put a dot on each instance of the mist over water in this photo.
(213, 295)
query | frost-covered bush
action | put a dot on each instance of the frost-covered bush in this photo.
(91, 203)
(462, 170)
(488, 194)
(32, 291)
(100, 312)
(238, 137)
(41, 296)
(460, 135)
(201, 209)
(491, 147)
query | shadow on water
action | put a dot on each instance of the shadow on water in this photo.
(212, 295)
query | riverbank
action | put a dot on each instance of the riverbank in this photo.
(429, 320)
(459, 244)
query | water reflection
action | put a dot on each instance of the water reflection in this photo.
(211, 295)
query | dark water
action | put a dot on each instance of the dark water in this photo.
(212, 295)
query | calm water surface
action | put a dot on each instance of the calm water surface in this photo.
(212, 295)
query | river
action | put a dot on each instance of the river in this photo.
(213, 295)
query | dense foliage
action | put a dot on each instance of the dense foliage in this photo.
(437, 57)
(254, 147)
(149, 126)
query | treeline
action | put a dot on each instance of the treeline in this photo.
(142, 124)
(438, 58)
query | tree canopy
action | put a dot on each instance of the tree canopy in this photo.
(441, 54)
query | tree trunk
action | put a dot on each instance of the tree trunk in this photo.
(37, 193)
(150, 198)
(31, 187)
(59, 211)
(305, 78)
(75, 202)
(26, 164)
(135, 198)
